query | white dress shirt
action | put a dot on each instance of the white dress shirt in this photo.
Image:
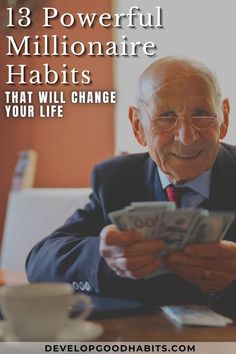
(200, 189)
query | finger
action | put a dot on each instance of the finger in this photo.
(146, 270)
(211, 287)
(111, 251)
(215, 281)
(179, 258)
(140, 273)
(115, 237)
(144, 248)
(133, 263)
(196, 273)
(223, 249)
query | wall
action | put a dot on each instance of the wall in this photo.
(68, 147)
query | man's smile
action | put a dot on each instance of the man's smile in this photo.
(186, 156)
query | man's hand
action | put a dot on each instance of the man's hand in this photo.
(210, 266)
(128, 254)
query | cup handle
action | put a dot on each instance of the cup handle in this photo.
(86, 301)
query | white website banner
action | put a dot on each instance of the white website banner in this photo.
(117, 347)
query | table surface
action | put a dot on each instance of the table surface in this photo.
(155, 326)
(159, 328)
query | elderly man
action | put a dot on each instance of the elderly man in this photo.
(181, 117)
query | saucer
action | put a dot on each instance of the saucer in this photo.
(75, 330)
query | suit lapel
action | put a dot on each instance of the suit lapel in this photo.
(139, 186)
(159, 193)
(145, 181)
(222, 191)
(153, 189)
(143, 184)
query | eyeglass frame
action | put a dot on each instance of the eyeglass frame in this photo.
(178, 118)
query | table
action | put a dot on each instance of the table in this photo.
(155, 326)
(158, 327)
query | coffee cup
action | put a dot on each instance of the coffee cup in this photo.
(38, 311)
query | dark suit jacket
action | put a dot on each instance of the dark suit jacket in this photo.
(71, 253)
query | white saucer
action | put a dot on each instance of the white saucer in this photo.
(80, 331)
(75, 330)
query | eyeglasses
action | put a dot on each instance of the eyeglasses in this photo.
(170, 122)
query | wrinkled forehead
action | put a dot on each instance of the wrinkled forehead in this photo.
(163, 81)
(185, 92)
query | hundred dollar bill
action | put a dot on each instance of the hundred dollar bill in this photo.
(229, 218)
(177, 227)
(174, 227)
(153, 205)
(149, 206)
(119, 218)
(145, 222)
(195, 315)
(213, 227)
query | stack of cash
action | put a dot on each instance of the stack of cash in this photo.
(195, 315)
(176, 227)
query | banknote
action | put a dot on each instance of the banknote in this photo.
(146, 222)
(153, 205)
(176, 227)
(127, 218)
(119, 218)
(212, 228)
(195, 315)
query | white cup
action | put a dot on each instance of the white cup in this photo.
(37, 312)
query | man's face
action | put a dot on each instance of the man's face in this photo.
(184, 152)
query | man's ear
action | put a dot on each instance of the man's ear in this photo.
(137, 125)
(225, 123)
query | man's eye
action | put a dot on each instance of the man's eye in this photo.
(201, 113)
(169, 114)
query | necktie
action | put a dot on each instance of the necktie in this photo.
(175, 194)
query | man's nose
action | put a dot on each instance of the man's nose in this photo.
(185, 132)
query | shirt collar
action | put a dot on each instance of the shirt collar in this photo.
(200, 185)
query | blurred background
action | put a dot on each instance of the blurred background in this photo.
(68, 148)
